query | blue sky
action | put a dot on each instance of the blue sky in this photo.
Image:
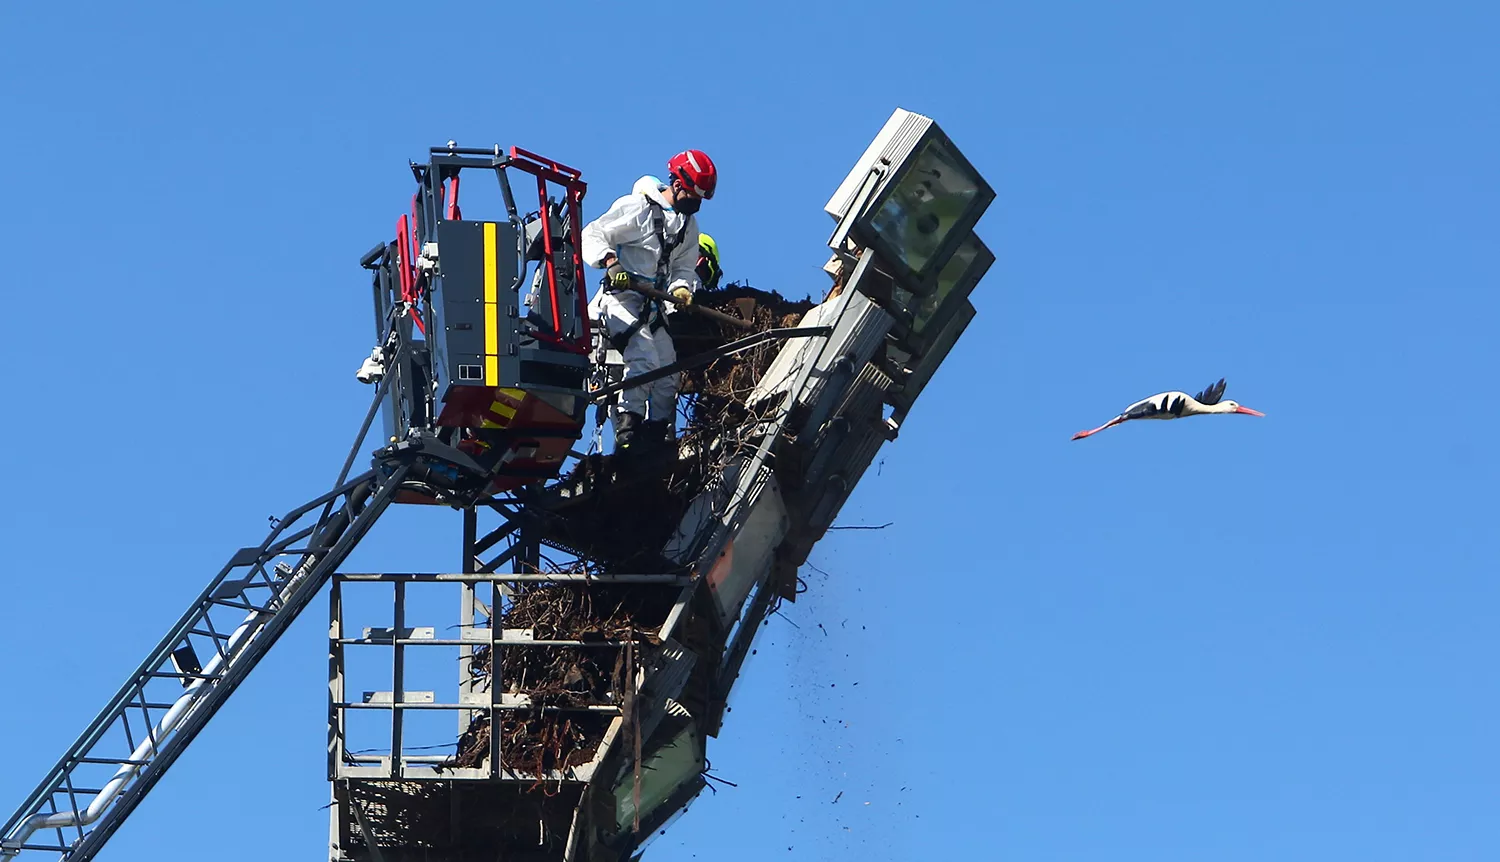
(1227, 638)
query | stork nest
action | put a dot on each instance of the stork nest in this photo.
(620, 527)
(559, 731)
(622, 524)
(727, 381)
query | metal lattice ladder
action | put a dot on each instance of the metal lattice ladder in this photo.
(152, 719)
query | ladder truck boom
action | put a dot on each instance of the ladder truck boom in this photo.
(490, 408)
(143, 730)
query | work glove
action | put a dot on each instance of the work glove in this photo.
(617, 276)
(682, 295)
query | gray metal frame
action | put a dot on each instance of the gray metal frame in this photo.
(479, 626)
(513, 544)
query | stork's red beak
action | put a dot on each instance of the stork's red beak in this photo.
(1248, 410)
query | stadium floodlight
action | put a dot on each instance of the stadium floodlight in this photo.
(930, 313)
(920, 370)
(913, 197)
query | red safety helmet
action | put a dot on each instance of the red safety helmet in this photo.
(696, 171)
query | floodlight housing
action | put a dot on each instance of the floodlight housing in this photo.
(957, 279)
(913, 197)
(920, 369)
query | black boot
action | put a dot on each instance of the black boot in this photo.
(628, 442)
(629, 428)
(659, 434)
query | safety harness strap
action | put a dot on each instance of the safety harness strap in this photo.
(664, 260)
(653, 310)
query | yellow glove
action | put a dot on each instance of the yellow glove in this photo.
(683, 295)
(618, 277)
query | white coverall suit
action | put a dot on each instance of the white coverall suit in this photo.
(627, 230)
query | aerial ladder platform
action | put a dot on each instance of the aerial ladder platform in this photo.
(594, 663)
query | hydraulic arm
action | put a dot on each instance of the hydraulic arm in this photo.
(193, 670)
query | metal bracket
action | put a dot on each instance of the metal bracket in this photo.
(857, 205)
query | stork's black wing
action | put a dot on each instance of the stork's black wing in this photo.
(1212, 394)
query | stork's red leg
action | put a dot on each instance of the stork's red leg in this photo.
(1111, 423)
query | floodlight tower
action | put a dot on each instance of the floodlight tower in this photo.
(602, 617)
(671, 613)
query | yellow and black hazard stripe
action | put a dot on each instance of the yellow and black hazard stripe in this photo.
(501, 412)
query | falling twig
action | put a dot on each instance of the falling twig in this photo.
(787, 618)
(720, 780)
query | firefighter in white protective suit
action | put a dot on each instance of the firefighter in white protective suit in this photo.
(650, 234)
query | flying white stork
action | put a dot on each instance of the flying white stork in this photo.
(1172, 405)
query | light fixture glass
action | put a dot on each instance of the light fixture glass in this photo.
(952, 274)
(927, 364)
(932, 197)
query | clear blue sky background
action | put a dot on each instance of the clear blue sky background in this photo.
(1227, 638)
